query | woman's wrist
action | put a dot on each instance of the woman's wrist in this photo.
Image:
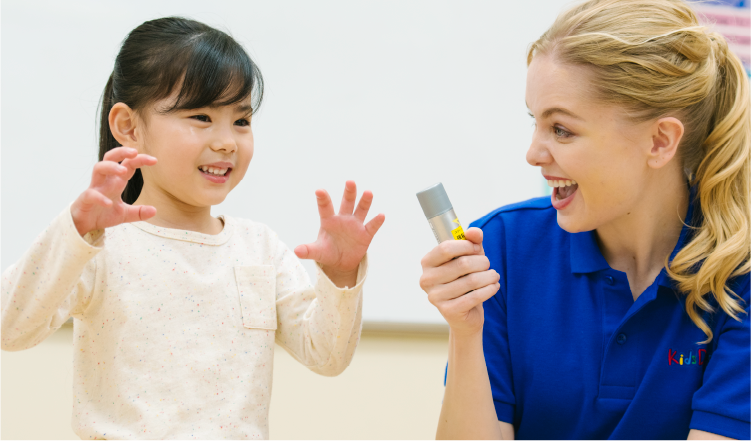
(465, 336)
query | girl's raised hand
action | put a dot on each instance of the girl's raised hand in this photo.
(101, 205)
(343, 238)
(457, 277)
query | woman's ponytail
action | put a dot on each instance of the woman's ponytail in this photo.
(108, 142)
(720, 247)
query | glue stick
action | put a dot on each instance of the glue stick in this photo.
(440, 213)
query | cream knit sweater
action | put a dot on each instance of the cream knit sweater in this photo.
(174, 330)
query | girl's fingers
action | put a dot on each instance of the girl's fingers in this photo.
(348, 199)
(447, 250)
(453, 270)
(375, 224)
(93, 197)
(120, 153)
(137, 162)
(362, 208)
(462, 286)
(325, 207)
(137, 213)
(309, 251)
(103, 169)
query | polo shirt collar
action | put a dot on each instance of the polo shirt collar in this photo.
(587, 258)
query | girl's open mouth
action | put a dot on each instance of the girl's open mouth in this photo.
(563, 192)
(215, 174)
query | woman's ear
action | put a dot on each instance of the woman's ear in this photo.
(666, 136)
(123, 122)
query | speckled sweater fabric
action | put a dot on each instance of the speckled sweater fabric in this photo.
(174, 330)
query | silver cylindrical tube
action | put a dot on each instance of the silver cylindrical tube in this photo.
(440, 213)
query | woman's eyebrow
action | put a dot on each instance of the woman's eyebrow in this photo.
(553, 110)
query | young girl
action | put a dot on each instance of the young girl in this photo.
(176, 312)
(619, 307)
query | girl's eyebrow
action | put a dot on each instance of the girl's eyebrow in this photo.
(244, 108)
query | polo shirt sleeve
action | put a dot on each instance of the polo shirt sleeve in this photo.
(721, 405)
(495, 330)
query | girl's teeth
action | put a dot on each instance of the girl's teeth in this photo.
(213, 170)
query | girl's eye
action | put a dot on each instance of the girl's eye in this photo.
(202, 118)
(242, 122)
(561, 133)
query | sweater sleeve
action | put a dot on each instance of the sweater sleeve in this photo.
(53, 281)
(319, 325)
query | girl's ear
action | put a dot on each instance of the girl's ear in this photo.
(666, 136)
(123, 122)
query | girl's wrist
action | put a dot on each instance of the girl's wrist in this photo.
(347, 278)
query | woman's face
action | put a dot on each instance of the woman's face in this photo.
(202, 153)
(578, 140)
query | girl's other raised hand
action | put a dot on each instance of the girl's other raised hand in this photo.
(344, 238)
(101, 205)
(457, 277)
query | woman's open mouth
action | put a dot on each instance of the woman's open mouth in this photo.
(215, 174)
(563, 192)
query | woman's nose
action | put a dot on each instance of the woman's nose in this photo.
(538, 154)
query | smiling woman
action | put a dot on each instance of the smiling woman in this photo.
(619, 307)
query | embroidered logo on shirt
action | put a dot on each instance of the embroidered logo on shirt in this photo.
(699, 358)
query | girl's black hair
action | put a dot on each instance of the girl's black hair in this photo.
(209, 66)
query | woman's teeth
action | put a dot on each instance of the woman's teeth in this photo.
(213, 170)
(561, 183)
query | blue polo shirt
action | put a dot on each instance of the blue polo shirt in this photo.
(570, 354)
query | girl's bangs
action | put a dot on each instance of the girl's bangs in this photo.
(218, 73)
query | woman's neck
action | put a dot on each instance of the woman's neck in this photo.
(174, 213)
(638, 242)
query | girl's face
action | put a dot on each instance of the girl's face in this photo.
(203, 153)
(593, 145)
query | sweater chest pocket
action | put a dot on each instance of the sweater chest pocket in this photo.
(256, 286)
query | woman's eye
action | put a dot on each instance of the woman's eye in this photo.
(560, 132)
(202, 118)
(242, 122)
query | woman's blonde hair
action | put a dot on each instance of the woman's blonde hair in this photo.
(653, 58)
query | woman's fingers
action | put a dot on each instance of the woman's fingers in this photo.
(448, 250)
(348, 199)
(361, 212)
(468, 301)
(453, 270)
(325, 207)
(474, 235)
(462, 285)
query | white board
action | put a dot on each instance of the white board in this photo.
(396, 95)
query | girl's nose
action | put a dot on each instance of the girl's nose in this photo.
(227, 144)
(538, 154)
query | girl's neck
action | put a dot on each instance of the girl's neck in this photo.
(639, 242)
(174, 213)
